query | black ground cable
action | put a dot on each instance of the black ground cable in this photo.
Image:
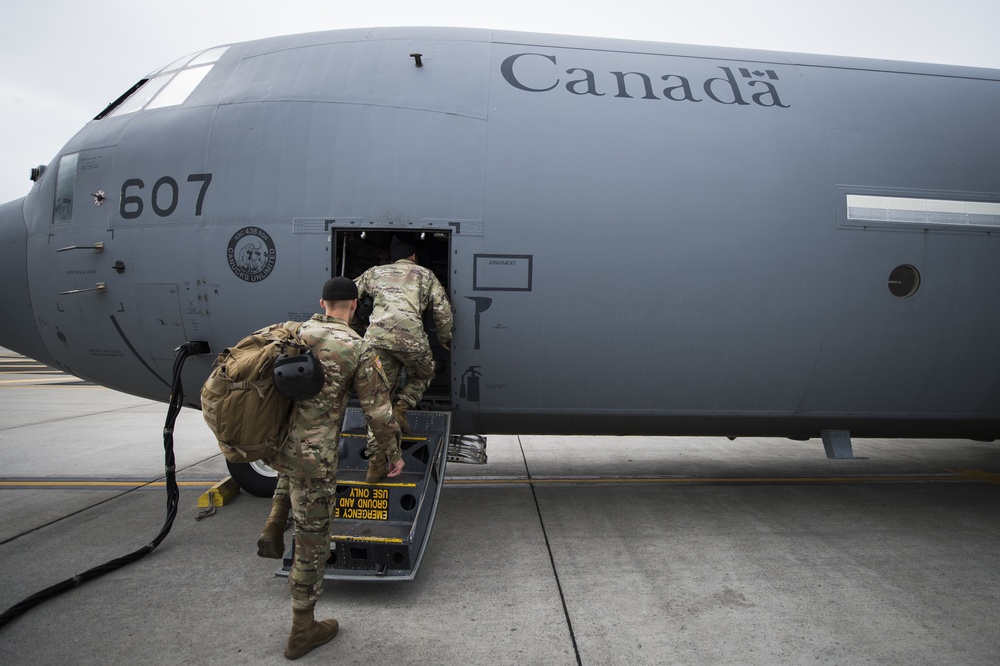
(173, 495)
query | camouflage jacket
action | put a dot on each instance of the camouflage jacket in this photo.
(348, 362)
(402, 291)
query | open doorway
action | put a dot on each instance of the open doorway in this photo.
(355, 251)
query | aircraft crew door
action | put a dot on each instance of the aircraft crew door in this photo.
(356, 250)
(80, 291)
(80, 229)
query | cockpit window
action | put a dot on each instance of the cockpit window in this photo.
(182, 85)
(208, 57)
(176, 64)
(141, 96)
(169, 86)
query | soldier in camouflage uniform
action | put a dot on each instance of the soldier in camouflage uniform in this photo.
(402, 291)
(309, 456)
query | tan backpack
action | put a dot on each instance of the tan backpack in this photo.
(240, 401)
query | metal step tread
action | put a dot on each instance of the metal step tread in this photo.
(367, 530)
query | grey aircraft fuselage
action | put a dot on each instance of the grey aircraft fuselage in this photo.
(636, 238)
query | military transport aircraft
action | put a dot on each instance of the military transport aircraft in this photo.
(637, 238)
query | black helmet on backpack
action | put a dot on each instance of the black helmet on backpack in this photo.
(298, 377)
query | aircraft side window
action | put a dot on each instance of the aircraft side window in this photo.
(904, 281)
(62, 211)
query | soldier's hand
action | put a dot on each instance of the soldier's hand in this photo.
(396, 468)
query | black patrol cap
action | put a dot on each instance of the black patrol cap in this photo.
(340, 289)
(401, 251)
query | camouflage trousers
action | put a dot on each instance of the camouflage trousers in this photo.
(419, 372)
(313, 509)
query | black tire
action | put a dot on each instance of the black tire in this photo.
(256, 478)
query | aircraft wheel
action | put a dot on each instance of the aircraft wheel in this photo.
(256, 478)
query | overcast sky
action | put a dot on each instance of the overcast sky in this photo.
(62, 61)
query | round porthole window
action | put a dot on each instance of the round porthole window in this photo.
(904, 281)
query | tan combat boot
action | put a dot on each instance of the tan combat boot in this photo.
(378, 467)
(272, 542)
(307, 633)
(399, 412)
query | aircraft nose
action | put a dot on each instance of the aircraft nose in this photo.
(17, 320)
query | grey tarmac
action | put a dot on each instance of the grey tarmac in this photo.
(562, 550)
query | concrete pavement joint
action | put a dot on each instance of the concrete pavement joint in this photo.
(552, 559)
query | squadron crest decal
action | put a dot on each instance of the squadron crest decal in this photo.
(251, 254)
